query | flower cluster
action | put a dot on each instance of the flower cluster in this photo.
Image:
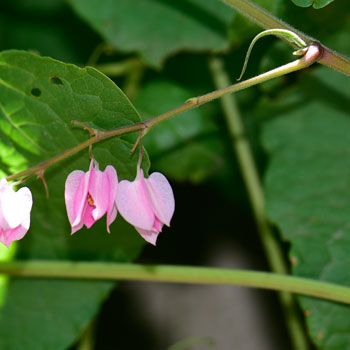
(147, 204)
(91, 195)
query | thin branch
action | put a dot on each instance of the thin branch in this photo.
(311, 56)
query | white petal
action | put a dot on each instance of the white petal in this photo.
(74, 188)
(16, 206)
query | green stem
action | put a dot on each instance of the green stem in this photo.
(255, 192)
(133, 81)
(266, 20)
(309, 58)
(284, 34)
(175, 274)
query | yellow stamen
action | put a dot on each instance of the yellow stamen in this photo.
(90, 199)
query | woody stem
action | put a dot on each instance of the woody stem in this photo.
(266, 20)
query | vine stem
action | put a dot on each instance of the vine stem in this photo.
(251, 178)
(175, 274)
(266, 20)
(313, 53)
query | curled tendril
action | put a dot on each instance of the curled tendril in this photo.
(299, 44)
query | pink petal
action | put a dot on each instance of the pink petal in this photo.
(14, 234)
(99, 191)
(88, 219)
(80, 200)
(112, 178)
(161, 196)
(133, 204)
(15, 210)
(149, 236)
(75, 195)
(157, 226)
(16, 206)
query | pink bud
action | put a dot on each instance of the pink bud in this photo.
(90, 195)
(15, 210)
(147, 204)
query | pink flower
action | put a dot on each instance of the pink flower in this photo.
(15, 210)
(147, 204)
(90, 195)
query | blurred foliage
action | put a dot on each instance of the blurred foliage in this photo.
(304, 118)
(191, 25)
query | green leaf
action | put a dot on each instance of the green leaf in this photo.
(308, 191)
(158, 28)
(317, 4)
(187, 147)
(38, 98)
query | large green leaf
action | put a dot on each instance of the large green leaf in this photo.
(158, 28)
(308, 191)
(39, 97)
(187, 147)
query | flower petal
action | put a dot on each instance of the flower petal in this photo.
(161, 196)
(148, 235)
(16, 206)
(3, 185)
(75, 195)
(15, 234)
(133, 204)
(112, 178)
(99, 191)
(88, 218)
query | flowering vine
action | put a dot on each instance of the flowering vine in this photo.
(146, 203)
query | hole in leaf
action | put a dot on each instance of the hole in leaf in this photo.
(56, 81)
(35, 92)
